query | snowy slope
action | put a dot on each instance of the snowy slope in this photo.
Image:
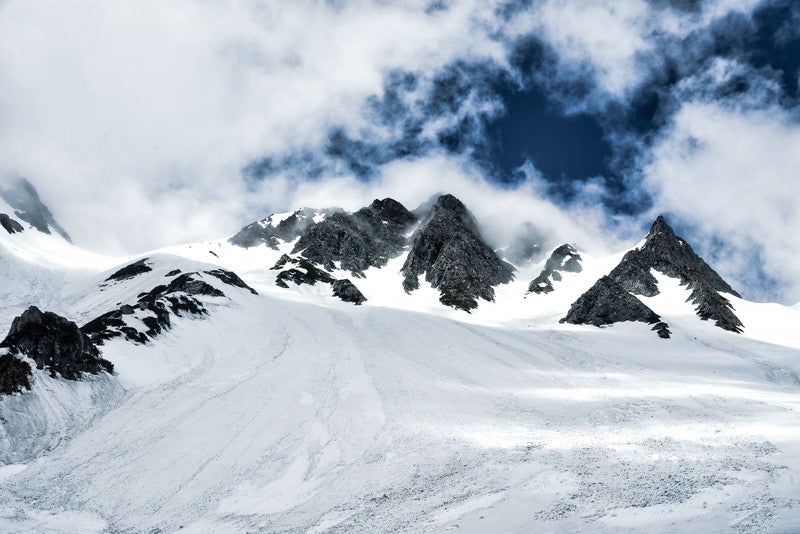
(286, 416)
(291, 411)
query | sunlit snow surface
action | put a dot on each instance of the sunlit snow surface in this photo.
(291, 411)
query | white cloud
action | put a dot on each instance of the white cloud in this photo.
(135, 119)
(119, 111)
(734, 173)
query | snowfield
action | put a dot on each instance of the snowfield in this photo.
(290, 411)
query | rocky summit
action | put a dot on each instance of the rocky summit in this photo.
(668, 254)
(355, 242)
(450, 251)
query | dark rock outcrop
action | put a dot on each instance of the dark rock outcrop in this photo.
(15, 375)
(563, 259)
(11, 226)
(305, 271)
(55, 344)
(348, 292)
(449, 250)
(670, 255)
(156, 307)
(23, 197)
(607, 302)
(230, 278)
(129, 271)
(367, 238)
(612, 298)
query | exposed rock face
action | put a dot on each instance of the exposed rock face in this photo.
(55, 344)
(155, 307)
(11, 226)
(271, 233)
(669, 254)
(607, 302)
(612, 298)
(450, 251)
(24, 198)
(305, 271)
(335, 239)
(15, 375)
(563, 259)
(230, 278)
(367, 238)
(129, 271)
(348, 292)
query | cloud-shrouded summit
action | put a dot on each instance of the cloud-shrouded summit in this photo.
(142, 126)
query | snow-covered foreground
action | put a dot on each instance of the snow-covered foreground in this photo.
(285, 416)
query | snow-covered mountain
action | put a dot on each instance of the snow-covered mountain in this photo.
(387, 370)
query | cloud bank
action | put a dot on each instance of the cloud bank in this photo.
(155, 123)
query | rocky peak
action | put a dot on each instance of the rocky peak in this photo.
(370, 237)
(563, 259)
(392, 211)
(24, 199)
(665, 252)
(606, 302)
(450, 251)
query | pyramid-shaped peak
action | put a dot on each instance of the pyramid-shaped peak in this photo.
(661, 228)
(450, 202)
(392, 210)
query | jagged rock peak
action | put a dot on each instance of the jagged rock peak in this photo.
(607, 302)
(391, 210)
(665, 252)
(55, 344)
(22, 196)
(673, 256)
(370, 237)
(450, 251)
(563, 259)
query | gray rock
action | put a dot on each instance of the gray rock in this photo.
(11, 226)
(304, 271)
(55, 344)
(155, 308)
(449, 250)
(15, 375)
(669, 254)
(367, 238)
(23, 197)
(607, 302)
(563, 259)
(129, 271)
(348, 292)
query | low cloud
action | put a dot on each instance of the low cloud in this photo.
(732, 174)
(155, 123)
